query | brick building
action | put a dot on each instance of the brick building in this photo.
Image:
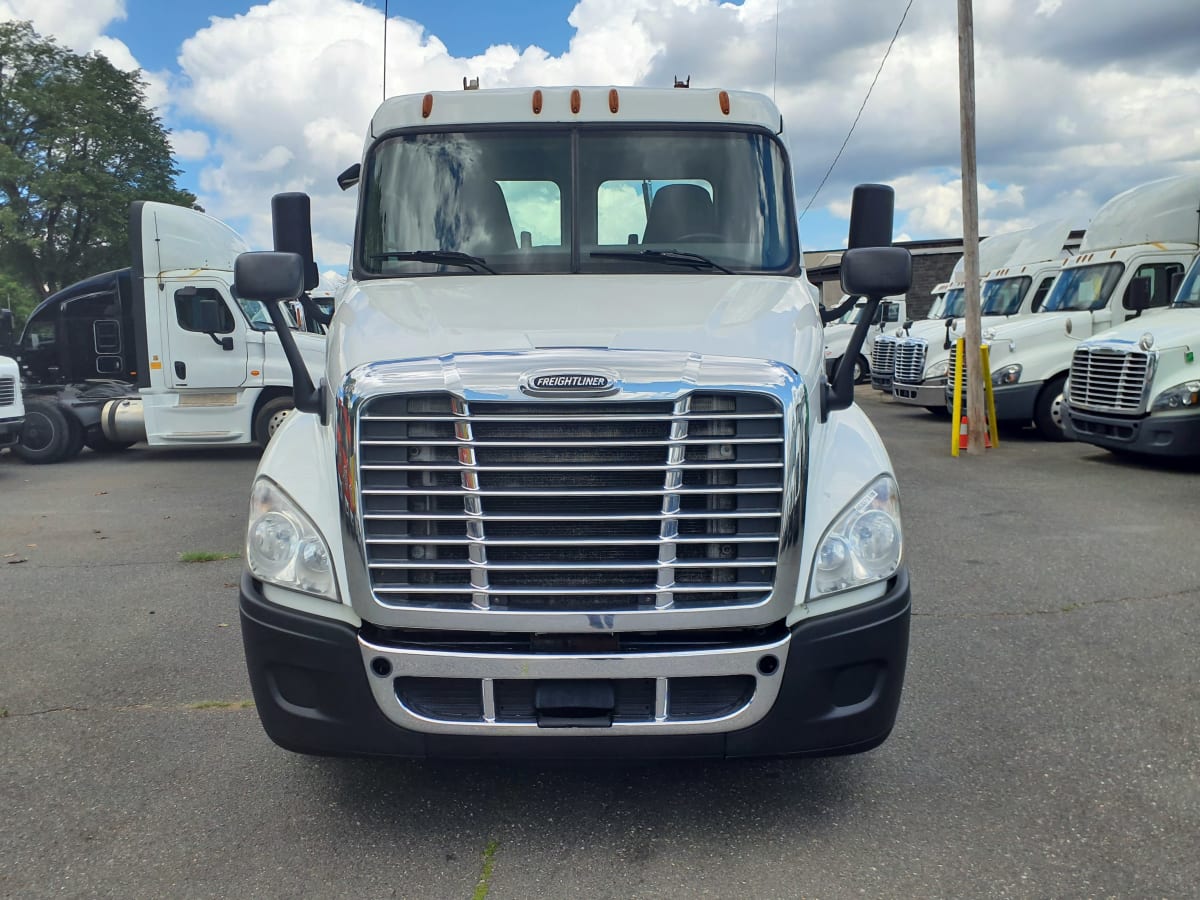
(933, 261)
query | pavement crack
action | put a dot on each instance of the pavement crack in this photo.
(1062, 610)
(484, 884)
(200, 706)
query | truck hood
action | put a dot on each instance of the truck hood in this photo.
(1041, 327)
(1170, 328)
(755, 317)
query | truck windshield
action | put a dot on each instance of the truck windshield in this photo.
(956, 303)
(1083, 288)
(939, 305)
(1189, 291)
(582, 199)
(1003, 296)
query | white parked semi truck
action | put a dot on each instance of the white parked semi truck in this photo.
(160, 352)
(1133, 253)
(902, 347)
(1136, 387)
(573, 481)
(12, 410)
(891, 312)
(1013, 289)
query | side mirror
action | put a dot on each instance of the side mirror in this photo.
(876, 271)
(291, 226)
(350, 177)
(268, 275)
(1175, 283)
(1137, 296)
(6, 327)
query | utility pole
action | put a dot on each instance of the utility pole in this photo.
(970, 192)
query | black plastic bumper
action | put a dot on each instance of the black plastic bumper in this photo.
(310, 688)
(1158, 435)
(1014, 403)
(10, 431)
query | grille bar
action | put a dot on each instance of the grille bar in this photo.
(434, 492)
(8, 391)
(569, 542)
(491, 517)
(559, 592)
(541, 420)
(581, 443)
(591, 468)
(910, 360)
(438, 565)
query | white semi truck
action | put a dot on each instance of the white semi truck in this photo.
(899, 352)
(12, 410)
(1135, 249)
(573, 481)
(1013, 289)
(838, 334)
(160, 352)
(1136, 387)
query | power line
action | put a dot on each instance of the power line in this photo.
(853, 124)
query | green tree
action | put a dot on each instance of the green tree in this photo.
(78, 143)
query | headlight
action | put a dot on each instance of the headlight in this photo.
(1007, 375)
(1182, 396)
(863, 545)
(283, 546)
(938, 369)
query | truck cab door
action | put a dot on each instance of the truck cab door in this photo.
(199, 358)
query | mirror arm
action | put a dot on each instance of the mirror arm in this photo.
(840, 393)
(306, 397)
(829, 315)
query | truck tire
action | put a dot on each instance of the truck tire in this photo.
(1047, 412)
(269, 417)
(96, 441)
(47, 435)
(862, 370)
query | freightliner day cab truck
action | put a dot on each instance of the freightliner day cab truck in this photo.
(1016, 288)
(160, 352)
(1136, 388)
(574, 482)
(837, 334)
(1133, 253)
(901, 349)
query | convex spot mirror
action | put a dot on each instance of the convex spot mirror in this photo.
(876, 271)
(268, 275)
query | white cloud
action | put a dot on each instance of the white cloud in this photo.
(1067, 116)
(190, 145)
(78, 25)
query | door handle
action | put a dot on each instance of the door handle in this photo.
(181, 370)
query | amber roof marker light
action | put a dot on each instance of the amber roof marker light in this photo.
(723, 99)
(537, 103)
(576, 100)
(426, 106)
(614, 101)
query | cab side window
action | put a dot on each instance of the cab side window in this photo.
(187, 309)
(1040, 295)
(1160, 283)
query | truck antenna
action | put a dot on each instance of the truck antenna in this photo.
(385, 20)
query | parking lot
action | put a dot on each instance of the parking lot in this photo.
(1047, 745)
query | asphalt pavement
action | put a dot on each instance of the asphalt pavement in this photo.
(1048, 743)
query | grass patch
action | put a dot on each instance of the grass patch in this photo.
(198, 556)
(222, 704)
(485, 877)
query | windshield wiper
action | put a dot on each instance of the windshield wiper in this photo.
(440, 257)
(666, 257)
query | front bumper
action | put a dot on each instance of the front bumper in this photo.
(1014, 403)
(836, 690)
(920, 394)
(1174, 435)
(10, 431)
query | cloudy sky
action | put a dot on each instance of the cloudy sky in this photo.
(1077, 99)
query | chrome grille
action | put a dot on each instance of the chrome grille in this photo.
(1109, 378)
(586, 506)
(910, 360)
(883, 355)
(950, 364)
(8, 391)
